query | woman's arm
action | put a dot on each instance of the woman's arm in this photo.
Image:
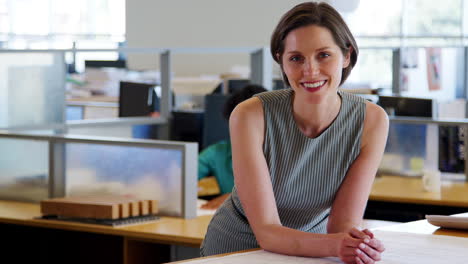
(215, 203)
(253, 183)
(350, 201)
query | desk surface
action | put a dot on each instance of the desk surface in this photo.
(166, 230)
(395, 189)
(96, 98)
(416, 227)
(410, 190)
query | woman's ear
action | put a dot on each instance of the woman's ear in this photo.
(278, 58)
(347, 57)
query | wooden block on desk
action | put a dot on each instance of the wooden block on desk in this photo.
(144, 207)
(98, 207)
(153, 207)
(81, 207)
(130, 202)
(134, 208)
(124, 210)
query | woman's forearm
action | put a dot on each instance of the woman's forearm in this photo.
(343, 226)
(283, 240)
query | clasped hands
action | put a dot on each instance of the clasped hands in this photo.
(359, 247)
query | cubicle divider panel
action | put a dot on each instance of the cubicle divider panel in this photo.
(24, 169)
(144, 169)
(405, 152)
(165, 171)
(150, 173)
(415, 144)
(32, 88)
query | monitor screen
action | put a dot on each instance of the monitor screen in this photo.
(406, 106)
(105, 63)
(137, 99)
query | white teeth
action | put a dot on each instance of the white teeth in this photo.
(314, 85)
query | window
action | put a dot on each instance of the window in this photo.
(369, 21)
(431, 18)
(58, 23)
(409, 23)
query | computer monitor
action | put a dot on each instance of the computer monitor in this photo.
(105, 63)
(407, 106)
(137, 99)
(234, 85)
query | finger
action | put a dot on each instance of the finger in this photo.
(356, 233)
(350, 257)
(364, 257)
(349, 260)
(358, 260)
(370, 252)
(368, 232)
(375, 244)
(349, 252)
(352, 242)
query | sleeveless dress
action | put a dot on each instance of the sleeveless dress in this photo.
(306, 173)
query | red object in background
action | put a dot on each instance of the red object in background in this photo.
(434, 62)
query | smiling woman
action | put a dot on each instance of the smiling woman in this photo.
(313, 64)
(304, 158)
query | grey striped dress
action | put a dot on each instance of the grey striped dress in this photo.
(305, 172)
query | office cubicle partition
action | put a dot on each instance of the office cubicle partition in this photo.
(35, 167)
(32, 88)
(415, 144)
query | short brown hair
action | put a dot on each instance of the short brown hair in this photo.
(320, 14)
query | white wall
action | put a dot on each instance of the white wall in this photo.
(417, 77)
(201, 23)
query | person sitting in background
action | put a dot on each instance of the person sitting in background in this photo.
(216, 160)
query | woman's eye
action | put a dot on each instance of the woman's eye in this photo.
(324, 55)
(295, 58)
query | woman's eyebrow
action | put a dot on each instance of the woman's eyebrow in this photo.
(299, 52)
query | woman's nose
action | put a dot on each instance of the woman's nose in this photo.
(311, 68)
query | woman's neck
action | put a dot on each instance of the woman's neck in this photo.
(313, 119)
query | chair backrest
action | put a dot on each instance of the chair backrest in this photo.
(216, 127)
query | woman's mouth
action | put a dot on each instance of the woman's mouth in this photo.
(313, 86)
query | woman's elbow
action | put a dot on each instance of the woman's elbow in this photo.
(267, 238)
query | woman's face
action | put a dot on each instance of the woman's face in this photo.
(313, 63)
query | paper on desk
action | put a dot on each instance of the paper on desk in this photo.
(404, 248)
(201, 211)
(263, 257)
(401, 248)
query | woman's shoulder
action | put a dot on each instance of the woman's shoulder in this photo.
(351, 97)
(273, 96)
(375, 123)
(248, 109)
(375, 113)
